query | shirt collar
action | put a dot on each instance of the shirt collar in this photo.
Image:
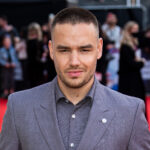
(59, 95)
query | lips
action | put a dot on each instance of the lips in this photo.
(75, 73)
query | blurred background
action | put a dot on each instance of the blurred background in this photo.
(22, 12)
(25, 30)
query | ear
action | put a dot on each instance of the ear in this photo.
(50, 46)
(99, 48)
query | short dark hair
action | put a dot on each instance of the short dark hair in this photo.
(73, 16)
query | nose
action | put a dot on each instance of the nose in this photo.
(74, 59)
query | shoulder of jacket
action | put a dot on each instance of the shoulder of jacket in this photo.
(117, 98)
(30, 95)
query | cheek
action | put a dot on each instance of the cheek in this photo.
(90, 61)
(93, 64)
(60, 63)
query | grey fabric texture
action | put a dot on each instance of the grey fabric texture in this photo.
(116, 122)
(72, 119)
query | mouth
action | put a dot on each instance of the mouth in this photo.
(74, 73)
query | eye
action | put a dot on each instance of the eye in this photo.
(85, 50)
(64, 50)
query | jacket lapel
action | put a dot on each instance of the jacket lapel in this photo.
(47, 119)
(100, 119)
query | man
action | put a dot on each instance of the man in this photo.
(74, 111)
(5, 28)
(8, 62)
(112, 30)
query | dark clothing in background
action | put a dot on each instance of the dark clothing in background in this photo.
(8, 78)
(102, 63)
(72, 119)
(34, 52)
(24, 64)
(50, 68)
(130, 80)
(9, 56)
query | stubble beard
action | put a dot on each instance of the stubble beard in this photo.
(75, 83)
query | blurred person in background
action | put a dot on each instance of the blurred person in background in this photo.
(8, 62)
(114, 34)
(130, 80)
(48, 66)
(45, 54)
(44, 27)
(145, 53)
(34, 52)
(146, 44)
(6, 28)
(102, 63)
(113, 66)
(112, 30)
(21, 49)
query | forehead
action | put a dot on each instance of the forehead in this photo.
(74, 35)
(73, 28)
(110, 16)
(134, 27)
(77, 33)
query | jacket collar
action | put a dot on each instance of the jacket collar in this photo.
(45, 113)
(100, 118)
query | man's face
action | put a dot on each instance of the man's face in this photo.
(2, 22)
(111, 19)
(75, 50)
(7, 42)
(134, 29)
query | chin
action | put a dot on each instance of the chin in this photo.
(75, 82)
(74, 86)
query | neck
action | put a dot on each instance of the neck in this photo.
(75, 95)
(111, 26)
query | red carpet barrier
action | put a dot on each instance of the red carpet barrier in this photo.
(148, 110)
(3, 104)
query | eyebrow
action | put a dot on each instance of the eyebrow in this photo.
(62, 47)
(80, 47)
(86, 46)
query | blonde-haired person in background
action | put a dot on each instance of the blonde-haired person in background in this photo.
(34, 52)
(34, 31)
(130, 81)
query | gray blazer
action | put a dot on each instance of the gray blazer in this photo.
(116, 122)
